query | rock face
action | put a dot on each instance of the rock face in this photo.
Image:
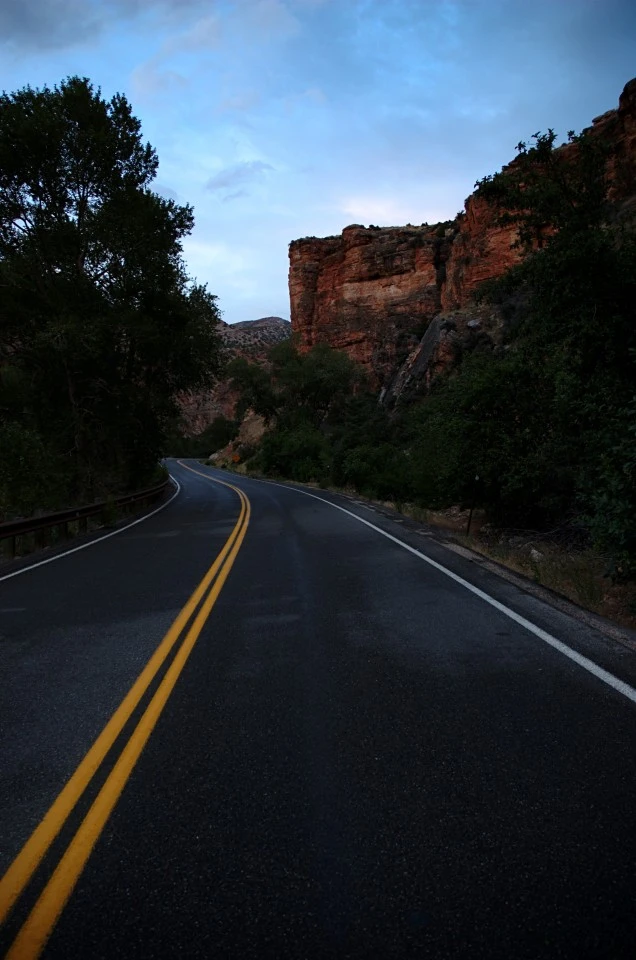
(373, 292)
(251, 339)
(250, 434)
(481, 250)
(369, 292)
(448, 336)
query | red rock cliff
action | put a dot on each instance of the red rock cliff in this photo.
(372, 292)
(367, 292)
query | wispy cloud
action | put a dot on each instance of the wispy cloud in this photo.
(270, 19)
(204, 34)
(376, 208)
(166, 192)
(235, 196)
(47, 24)
(240, 101)
(42, 25)
(150, 80)
(248, 171)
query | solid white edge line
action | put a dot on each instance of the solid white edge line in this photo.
(578, 658)
(106, 536)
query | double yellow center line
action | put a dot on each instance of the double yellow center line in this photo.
(39, 924)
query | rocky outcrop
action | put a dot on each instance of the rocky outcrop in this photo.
(251, 339)
(619, 128)
(447, 337)
(374, 292)
(198, 410)
(250, 434)
(481, 250)
(370, 292)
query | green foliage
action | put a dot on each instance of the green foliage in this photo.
(299, 452)
(25, 484)
(575, 332)
(321, 417)
(100, 327)
(375, 470)
(214, 437)
(314, 385)
(548, 190)
(500, 420)
(609, 494)
(254, 385)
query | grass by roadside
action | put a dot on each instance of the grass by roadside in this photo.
(560, 563)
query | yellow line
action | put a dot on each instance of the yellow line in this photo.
(38, 927)
(207, 476)
(21, 870)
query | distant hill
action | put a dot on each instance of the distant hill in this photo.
(253, 338)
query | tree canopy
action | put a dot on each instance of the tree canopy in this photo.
(100, 326)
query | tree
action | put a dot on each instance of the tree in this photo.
(549, 189)
(99, 323)
(312, 403)
(254, 384)
(577, 332)
(313, 385)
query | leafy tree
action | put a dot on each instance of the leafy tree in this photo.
(299, 452)
(577, 329)
(306, 398)
(212, 438)
(608, 492)
(254, 385)
(314, 384)
(99, 324)
(548, 189)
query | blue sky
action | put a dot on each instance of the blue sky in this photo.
(279, 119)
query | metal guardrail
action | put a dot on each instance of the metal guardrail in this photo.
(12, 530)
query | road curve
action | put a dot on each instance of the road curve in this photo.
(344, 752)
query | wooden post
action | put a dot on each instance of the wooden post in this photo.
(472, 505)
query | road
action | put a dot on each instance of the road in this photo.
(341, 750)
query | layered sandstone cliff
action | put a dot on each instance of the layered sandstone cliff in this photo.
(374, 292)
(369, 292)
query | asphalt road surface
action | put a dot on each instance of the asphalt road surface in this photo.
(339, 750)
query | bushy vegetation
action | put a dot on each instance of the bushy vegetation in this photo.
(100, 327)
(577, 333)
(547, 423)
(214, 437)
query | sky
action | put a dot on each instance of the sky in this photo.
(280, 119)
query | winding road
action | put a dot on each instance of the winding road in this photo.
(271, 722)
